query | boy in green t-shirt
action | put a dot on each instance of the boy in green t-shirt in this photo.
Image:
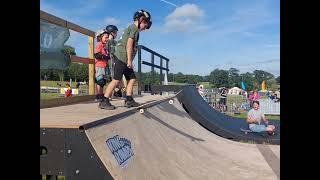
(125, 51)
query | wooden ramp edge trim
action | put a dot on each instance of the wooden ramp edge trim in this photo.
(48, 103)
(119, 116)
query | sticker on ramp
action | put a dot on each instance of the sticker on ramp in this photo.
(121, 149)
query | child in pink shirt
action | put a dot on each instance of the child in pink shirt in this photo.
(101, 62)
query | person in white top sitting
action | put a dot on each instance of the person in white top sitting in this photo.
(254, 120)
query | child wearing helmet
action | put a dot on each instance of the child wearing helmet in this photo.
(125, 51)
(101, 62)
(112, 32)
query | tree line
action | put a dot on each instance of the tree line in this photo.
(217, 78)
(76, 71)
(221, 78)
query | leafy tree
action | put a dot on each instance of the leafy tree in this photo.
(234, 78)
(262, 75)
(272, 84)
(69, 50)
(249, 80)
(278, 79)
(219, 78)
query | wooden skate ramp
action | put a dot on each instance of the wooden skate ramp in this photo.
(76, 115)
(167, 144)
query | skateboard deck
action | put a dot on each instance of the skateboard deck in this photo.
(246, 131)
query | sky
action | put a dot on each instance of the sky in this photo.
(197, 36)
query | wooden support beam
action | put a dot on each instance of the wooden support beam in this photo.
(82, 60)
(48, 103)
(91, 67)
(61, 22)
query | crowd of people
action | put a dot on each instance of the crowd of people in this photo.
(274, 96)
(257, 122)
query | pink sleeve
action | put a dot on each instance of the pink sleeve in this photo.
(98, 48)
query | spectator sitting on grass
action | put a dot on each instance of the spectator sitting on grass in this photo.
(254, 120)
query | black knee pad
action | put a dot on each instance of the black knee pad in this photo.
(101, 82)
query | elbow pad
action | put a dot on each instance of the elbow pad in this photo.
(98, 55)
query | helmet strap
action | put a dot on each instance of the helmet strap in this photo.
(139, 22)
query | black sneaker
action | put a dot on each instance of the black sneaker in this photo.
(98, 98)
(105, 104)
(131, 103)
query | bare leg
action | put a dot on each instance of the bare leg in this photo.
(270, 128)
(110, 88)
(129, 89)
(98, 89)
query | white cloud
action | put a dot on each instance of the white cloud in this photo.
(111, 20)
(185, 17)
(191, 11)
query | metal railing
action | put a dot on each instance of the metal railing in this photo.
(267, 106)
(152, 65)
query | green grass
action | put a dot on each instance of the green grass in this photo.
(50, 95)
(54, 84)
(243, 115)
(175, 83)
(59, 178)
(206, 85)
(63, 84)
(238, 99)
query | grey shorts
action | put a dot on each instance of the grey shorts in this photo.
(100, 72)
(258, 128)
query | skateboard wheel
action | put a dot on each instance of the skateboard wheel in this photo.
(171, 101)
(141, 111)
(246, 132)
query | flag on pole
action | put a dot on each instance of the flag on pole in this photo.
(243, 86)
(263, 86)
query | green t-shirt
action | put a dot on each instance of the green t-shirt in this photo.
(121, 48)
(111, 46)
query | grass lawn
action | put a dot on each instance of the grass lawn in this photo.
(244, 116)
(59, 178)
(54, 84)
(175, 83)
(63, 84)
(50, 95)
(238, 99)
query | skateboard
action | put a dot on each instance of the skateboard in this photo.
(246, 131)
(141, 108)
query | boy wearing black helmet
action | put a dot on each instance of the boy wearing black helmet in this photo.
(125, 51)
(112, 31)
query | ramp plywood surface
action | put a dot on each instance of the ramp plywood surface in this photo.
(168, 144)
(73, 116)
